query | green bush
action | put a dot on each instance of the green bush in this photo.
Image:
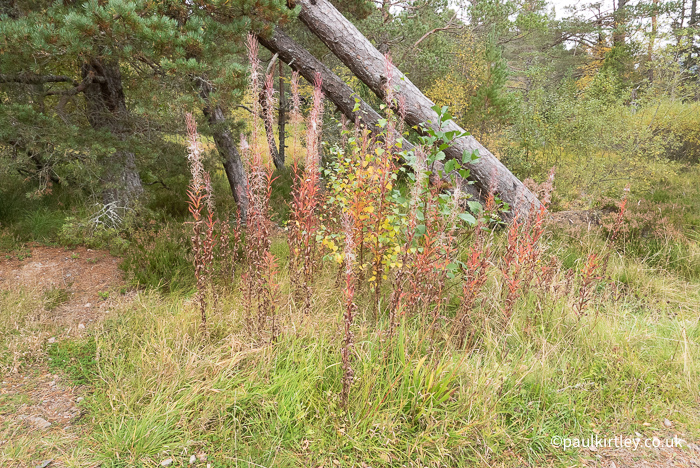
(82, 232)
(160, 258)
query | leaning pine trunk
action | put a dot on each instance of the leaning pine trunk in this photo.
(368, 64)
(282, 114)
(335, 89)
(233, 165)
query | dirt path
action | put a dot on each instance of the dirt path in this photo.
(40, 407)
(81, 279)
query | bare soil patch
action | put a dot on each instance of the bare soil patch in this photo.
(88, 278)
(37, 405)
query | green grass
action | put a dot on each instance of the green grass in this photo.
(159, 258)
(76, 358)
(29, 218)
(19, 328)
(161, 389)
(8, 403)
(54, 297)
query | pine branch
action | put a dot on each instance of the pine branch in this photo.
(448, 26)
(36, 79)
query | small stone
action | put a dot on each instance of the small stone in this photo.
(613, 465)
(81, 326)
(638, 434)
(593, 448)
(79, 399)
(202, 456)
(646, 424)
(41, 423)
(667, 423)
(52, 383)
(44, 464)
(166, 462)
(88, 305)
(52, 340)
(193, 459)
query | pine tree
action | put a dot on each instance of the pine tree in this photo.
(491, 103)
(99, 83)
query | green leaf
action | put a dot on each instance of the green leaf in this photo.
(475, 206)
(449, 136)
(467, 218)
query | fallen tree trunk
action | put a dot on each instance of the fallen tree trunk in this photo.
(369, 65)
(335, 89)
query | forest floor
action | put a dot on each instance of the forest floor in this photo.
(42, 420)
(39, 402)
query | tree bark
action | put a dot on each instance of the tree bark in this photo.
(106, 110)
(233, 164)
(270, 131)
(693, 24)
(365, 61)
(652, 38)
(282, 114)
(340, 94)
(620, 23)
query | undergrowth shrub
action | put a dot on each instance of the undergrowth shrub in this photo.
(76, 231)
(159, 257)
(659, 231)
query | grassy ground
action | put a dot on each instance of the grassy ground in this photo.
(159, 390)
(156, 388)
(413, 401)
